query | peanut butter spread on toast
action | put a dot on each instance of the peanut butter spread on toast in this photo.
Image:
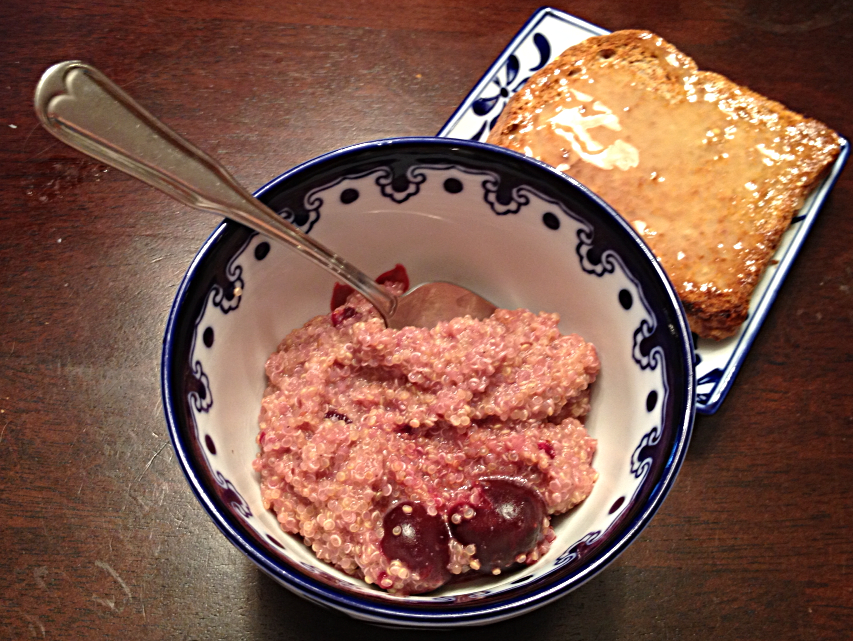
(708, 172)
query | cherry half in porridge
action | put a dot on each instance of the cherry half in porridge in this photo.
(420, 542)
(504, 526)
(410, 457)
(397, 278)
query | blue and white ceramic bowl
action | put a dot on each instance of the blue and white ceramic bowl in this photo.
(510, 228)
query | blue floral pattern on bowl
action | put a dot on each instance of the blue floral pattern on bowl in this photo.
(471, 202)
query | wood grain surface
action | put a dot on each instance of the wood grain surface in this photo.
(101, 537)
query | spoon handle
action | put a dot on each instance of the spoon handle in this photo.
(86, 110)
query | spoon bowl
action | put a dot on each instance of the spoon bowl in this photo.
(84, 109)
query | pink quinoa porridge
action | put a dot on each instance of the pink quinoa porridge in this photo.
(408, 457)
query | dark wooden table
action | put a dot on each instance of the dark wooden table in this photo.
(101, 536)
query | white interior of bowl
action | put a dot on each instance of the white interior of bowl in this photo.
(513, 259)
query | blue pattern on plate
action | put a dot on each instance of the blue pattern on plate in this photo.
(506, 88)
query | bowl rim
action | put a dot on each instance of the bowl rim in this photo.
(423, 614)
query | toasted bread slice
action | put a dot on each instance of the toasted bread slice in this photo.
(708, 172)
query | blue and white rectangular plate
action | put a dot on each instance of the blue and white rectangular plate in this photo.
(546, 35)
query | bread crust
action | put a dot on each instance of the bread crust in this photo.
(715, 285)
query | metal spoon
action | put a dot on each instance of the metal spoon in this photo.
(83, 108)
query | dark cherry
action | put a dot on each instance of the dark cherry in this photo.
(546, 447)
(506, 524)
(420, 541)
(340, 293)
(341, 314)
(397, 275)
